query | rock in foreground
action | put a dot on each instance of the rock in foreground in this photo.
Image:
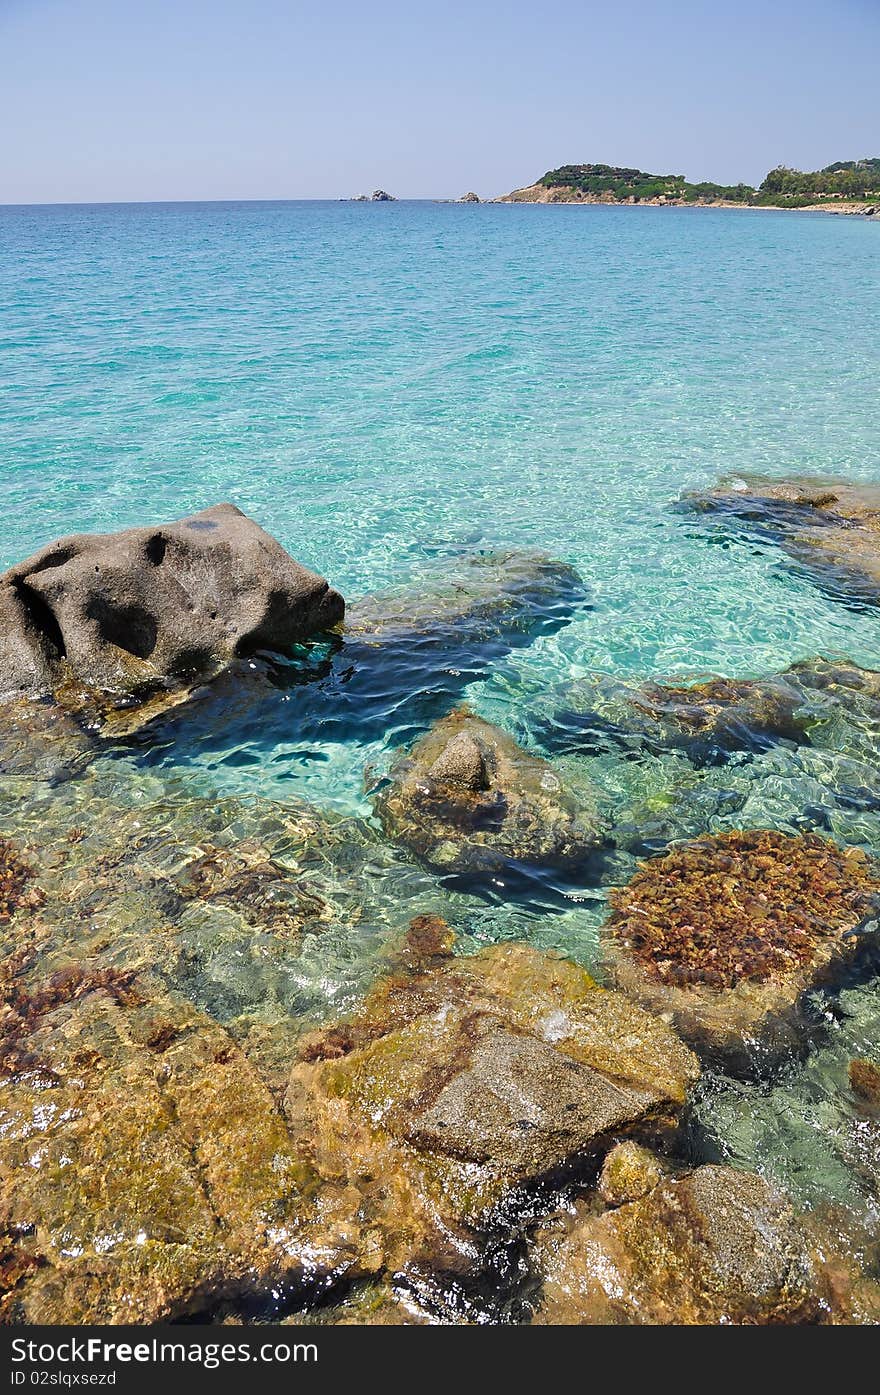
(146, 1173)
(468, 799)
(119, 617)
(714, 1247)
(467, 1078)
(727, 933)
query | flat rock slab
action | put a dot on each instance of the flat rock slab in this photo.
(831, 527)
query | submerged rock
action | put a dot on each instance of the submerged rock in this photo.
(404, 656)
(716, 1246)
(864, 1079)
(835, 683)
(464, 1081)
(40, 741)
(725, 713)
(102, 621)
(376, 1304)
(468, 799)
(146, 1171)
(485, 595)
(706, 720)
(628, 1173)
(15, 876)
(862, 1149)
(726, 934)
(829, 526)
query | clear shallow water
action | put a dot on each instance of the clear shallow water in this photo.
(379, 383)
(385, 385)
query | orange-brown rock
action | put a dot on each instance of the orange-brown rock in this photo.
(726, 934)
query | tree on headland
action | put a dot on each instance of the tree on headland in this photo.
(846, 179)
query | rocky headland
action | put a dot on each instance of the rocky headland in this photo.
(848, 187)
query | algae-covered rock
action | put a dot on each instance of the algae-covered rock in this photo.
(468, 799)
(714, 1247)
(864, 1080)
(15, 876)
(108, 620)
(628, 1173)
(464, 1081)
(830, 527)
(375, 1304)
(257, 912)
(726, 934)
(147, 1172)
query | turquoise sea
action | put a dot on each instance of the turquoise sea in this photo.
(383, 386)
(376, 383)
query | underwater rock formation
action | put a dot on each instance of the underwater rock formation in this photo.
(463, 1081)
(839, 682)
(862, 1149)
(370, 1304)
(404, 655)
(485, 595)
(864, 1080)
(628, 1173)
(109, 620)
(40, 741)
(15, 875)
(715, 1246)
(259, 912)
(468, 799)
(830, 527)
(146, 1169)
(706, 720)
(726, 934)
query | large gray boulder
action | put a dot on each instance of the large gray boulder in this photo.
(126, 615)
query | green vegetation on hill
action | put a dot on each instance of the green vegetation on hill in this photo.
(847, 179)
(620, 184)
(850, 180)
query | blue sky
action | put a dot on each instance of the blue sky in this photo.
(115, 100)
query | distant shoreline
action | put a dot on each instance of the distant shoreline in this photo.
(838, 210)
(847, 187)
